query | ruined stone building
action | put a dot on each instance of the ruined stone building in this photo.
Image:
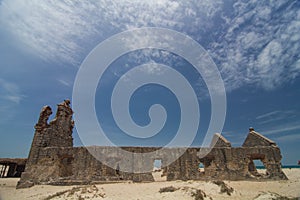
(54, 160)
(11, 167)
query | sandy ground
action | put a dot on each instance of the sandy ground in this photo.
(140, 191)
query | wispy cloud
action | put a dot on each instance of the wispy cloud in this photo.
(253, 42)
(260, 44)
(65, 31)
(287, 138)
(14, 98)
(268, 114)
(10, 92)
(64, 82)
(10, 97)
(275, 116)
(282, 129)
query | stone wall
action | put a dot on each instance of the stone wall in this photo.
(54, 160)
(57, 133)
(255, 139)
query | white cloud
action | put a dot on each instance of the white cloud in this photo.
(10, 92)
(276, 116)
(63, 30)
(152, 68)
(282, 129)
(266, 115)
(10, 97)
(63, 82)
(260, 45)
(13, 98)
(287, 138)
(253, 42)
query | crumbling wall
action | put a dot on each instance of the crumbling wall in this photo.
(255, 139)
(54, 160)
(219, 141)
(66, 165)
(57, 133)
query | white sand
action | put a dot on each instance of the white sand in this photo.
(129, 190)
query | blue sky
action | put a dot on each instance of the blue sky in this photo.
(254, 44)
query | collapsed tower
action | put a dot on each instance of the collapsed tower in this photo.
(57, 133)
(54, 160)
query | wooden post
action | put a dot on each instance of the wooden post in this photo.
(1, 171)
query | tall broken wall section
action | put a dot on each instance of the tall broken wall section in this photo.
(57, 133)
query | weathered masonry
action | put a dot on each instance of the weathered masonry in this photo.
(54, 160)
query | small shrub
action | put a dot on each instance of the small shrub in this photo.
(198, 194)
(168, 189)
(224, 187)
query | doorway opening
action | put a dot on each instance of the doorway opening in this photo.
(158, 171)
(256, 166)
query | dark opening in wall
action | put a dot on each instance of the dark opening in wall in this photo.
(118, 170)
(204, 163)
(201, 167)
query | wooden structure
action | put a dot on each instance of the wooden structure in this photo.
(12, 167)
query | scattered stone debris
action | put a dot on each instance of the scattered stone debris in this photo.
(273, 196)
(80, 193)
(224, 187)
(198, 194)
(26, 184)
(168, 189)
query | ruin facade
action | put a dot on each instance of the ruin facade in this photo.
(54, 160)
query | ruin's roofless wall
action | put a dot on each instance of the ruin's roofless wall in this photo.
(54, 160)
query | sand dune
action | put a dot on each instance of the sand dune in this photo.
(142, 191)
